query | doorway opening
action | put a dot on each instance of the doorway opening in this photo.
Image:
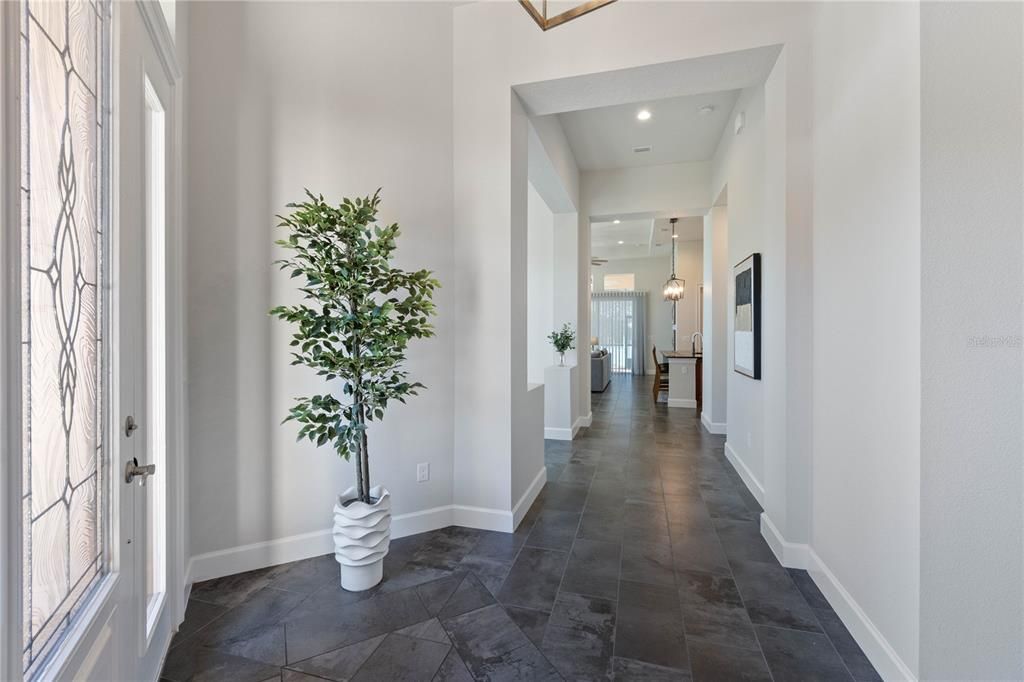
(640, 162)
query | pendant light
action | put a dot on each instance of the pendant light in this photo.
(546, 21)
(674, 287)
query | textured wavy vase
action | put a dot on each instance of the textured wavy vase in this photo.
(361, 536)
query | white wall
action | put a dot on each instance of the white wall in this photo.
(555, 175)
(284, 100)
(972, 523)
(867, 320)
(540, 285)
(739, 166)
(717, 276)
(552, 166)
(650, 275)
(690, 268)
(671, 189)
(528, 471)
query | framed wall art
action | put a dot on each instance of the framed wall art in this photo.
(747, 317)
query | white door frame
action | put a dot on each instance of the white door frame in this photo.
(159, 36)
(10, 360)
(10, 333)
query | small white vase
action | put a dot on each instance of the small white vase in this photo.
(361, 536)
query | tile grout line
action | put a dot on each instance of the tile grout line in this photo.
(732, 577)
(622, 540)
(675, 575)
(824, 632)
(561, 580)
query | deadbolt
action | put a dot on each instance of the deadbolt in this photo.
(130, 426)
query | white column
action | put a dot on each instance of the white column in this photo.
(717, 272)
(561, 409)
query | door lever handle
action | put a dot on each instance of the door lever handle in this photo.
(133, 470)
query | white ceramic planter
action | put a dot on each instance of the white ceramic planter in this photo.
(361, 536)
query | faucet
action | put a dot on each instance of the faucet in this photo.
(693, 343)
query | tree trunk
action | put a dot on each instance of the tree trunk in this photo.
(361, 457)
(360, 491)
(364, 454)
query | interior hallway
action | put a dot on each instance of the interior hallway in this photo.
(641, 560)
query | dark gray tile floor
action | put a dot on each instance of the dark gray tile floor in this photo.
(640, 560)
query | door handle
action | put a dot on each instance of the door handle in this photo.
(132, 470)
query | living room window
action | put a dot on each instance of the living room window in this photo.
(620, 282)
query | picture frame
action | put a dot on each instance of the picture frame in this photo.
(746, 342)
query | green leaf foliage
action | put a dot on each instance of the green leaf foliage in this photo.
(563, 339)
(356, 319)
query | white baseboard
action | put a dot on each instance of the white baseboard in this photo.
(717, 428)
(878, 650)
(260, 555)
(532, 491)
(555, 433)
(682, 402)
(586, 421)
(481, 517)
(419, 522)
(316, 543)
(789, 554)
(754, 485)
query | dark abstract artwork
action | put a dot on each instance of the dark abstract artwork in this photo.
(747, 317)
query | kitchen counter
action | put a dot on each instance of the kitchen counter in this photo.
(681, 355)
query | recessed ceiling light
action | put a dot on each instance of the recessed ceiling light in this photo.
(643, 115)
(706, 109)
(616, 221)
(621, 242)
(675, 236)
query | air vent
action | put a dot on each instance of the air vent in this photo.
(642, 150)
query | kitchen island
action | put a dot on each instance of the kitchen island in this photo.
(684, 379)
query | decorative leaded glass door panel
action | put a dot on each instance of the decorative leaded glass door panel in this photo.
(94, 169)
(70, 571)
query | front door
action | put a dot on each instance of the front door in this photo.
(94, 169)
(144, 94)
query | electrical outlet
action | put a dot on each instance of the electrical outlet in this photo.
(422, 472)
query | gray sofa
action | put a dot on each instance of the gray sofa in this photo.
(600, 370)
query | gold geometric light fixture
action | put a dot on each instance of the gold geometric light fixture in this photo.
(538, 9)
(675, 288)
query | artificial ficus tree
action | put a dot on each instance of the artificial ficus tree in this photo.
(355, 321)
